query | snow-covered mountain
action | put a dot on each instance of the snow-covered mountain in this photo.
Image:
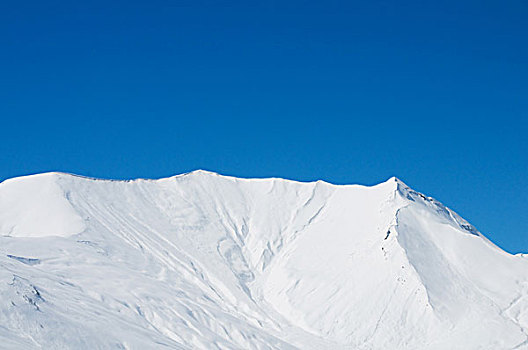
(207, 261)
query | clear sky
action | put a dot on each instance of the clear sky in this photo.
(433, 92)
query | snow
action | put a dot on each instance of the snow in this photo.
(36, 206)
(206, 261)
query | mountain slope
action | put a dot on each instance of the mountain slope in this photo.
(207, 261)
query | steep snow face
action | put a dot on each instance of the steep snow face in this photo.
(206, 261)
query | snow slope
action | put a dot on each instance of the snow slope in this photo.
(207, 261)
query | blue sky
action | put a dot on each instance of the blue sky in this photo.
(435, 93)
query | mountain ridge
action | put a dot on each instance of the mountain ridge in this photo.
(190, 173)
(208, 261)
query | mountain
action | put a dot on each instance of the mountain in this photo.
(207, 261)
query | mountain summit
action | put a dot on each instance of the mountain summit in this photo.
(202, 260)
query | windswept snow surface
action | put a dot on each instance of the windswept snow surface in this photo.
(214, 262)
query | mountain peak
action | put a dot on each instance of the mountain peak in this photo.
(202, 172)
(211, 261)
